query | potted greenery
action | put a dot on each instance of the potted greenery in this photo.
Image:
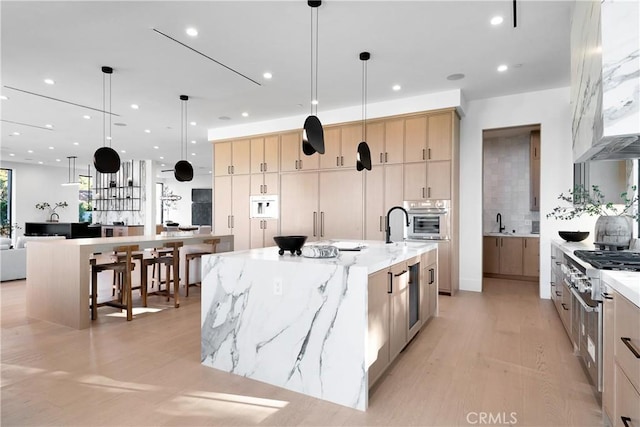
(613, 226)
(53, 216)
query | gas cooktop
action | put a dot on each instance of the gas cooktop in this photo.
(611, 260)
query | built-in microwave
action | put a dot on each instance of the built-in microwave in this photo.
(429, 219)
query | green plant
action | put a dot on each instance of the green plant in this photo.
(6, 228)
(592, 203)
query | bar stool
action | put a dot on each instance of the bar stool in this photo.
(171, 260)
(118, 278)
(192, 256)
(122, 263)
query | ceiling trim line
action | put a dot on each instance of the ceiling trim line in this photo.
(60, 100)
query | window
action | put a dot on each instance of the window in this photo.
(5, 202)
(159, 203)
(85, 199)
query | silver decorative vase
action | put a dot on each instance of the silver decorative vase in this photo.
(613, 231)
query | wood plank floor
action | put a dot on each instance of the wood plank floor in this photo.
(502, 352)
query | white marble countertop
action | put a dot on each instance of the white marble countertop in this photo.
(376, 256)
(626, 283)
(503, 234)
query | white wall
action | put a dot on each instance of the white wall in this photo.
(37, 184)
(182, 213)
(549, 108)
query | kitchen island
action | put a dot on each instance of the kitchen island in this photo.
(58, 272)
(299, 323)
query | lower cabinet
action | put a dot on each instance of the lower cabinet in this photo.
(608, 363)
(511, 256)
(388, 309)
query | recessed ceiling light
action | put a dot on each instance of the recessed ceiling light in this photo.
(86, 117)
(314, 102)
(161, 157)
(457, 76)
(29, 151)
(3, 97)
(11, 154)
(123, 151)
(245, 114)
(267, 75)
(502, 68)
(209, 171)
(192, 32)
(193, 154)
(109, 138)
(49, 81)
(496, 20)
(192, 123)
(193, 142)
(40, 163)
(49, 126)
(147, 131)
(76, 143)
(57, 160)
(396, 87)
(135, 106)
(155, 147)
(162, 164)
(50, 148)
(16, 133)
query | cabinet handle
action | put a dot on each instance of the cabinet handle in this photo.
(261, 166)
(381, 226)
(381, 158)
(626, 421)
(525, 243)
(558, 293)
(341, 160)
(228, 170)
(233, 169)
(424, 157)
(321, 224)
(315, 222)
(627, 342)
(564, 306)
(496, 242)
(558, 263)
(233, 221)
(228, 221)
(401, 273)
(296, 164)
(432, 275)
(390, 282)
(300, 163)
(428, 192)
(265, 166)
(386, 157)
(429, 155)
(265, 189)
(337, 160)
(423, 193)
(607, 295)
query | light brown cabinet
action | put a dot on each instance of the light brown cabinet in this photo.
(428, 286)
(386, 142)
(445, 258)
(263, 231)
(511, 256)
(266, 183)
(291, 156)
(378, 325)
(427, 180)
(265, 154)
(341, 147)
(415, 139)
(232, 157)
(439, 136)
(534, 171)
(299, 204)
(608, 361)
(381, 194)
(399, 301)
(231, 208)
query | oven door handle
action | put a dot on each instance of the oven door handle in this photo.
(584, 305)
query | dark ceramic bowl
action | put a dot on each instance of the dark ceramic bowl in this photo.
(573, 236)
(292, 244)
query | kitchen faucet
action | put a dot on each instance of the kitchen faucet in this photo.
(499, 221)
(388, 240)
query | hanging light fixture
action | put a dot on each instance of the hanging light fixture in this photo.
(71, 176)
(106, 159)
(363, 158)
(313, 134)
(183, 171)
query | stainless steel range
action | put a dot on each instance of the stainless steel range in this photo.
(582, 275)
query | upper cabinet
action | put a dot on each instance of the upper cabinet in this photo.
(265, 154)
(439, 129)
(232, 157)
(393, 152)
(291, 156)
(341, 146)
(415, 139)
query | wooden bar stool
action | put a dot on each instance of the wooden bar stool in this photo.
(119, 278)
(171, 261)
(192, 256)
(122, 263)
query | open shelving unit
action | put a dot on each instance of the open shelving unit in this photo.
(120, 191)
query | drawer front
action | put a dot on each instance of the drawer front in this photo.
(627, 398)
(627, 339)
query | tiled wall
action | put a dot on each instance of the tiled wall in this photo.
(506, 184)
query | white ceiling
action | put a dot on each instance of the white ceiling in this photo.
(416, 44)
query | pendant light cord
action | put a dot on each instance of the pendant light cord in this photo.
(364, 100)
(110, 137)
(317, 30)
(104, 113)
(314, 67)
(181, 126)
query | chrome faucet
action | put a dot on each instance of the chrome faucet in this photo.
(388, 239)
(499, 221)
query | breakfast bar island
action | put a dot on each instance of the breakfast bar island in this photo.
(307, 324)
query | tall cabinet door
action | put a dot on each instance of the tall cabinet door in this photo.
(222, 158)
(439, 137)
(377, 357)
(241, 156)
(351, 138)
(393, 179)
(415, 179)
(271, 153)
(375, 140)
(399, 302)
(299, 213)
(241, 188)
(331, 157)
(415, 139)
(290, 151)
(374, 203)
(439, 180)
(257, 155)
(222, 205)
(341, 204)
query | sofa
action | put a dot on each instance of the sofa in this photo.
(13, 261)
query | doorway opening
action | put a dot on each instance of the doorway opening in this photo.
(511, 205)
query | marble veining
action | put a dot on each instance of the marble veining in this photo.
(298, 323)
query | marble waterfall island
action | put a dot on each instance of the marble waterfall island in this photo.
(294, 322)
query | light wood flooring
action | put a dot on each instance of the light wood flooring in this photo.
(499, 352)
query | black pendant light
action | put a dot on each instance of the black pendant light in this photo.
(106, 159)
(313, 135)
(363, 159)
(183, 170)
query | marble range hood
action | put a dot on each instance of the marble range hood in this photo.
(605, 80)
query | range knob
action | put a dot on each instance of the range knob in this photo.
(584, 285)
